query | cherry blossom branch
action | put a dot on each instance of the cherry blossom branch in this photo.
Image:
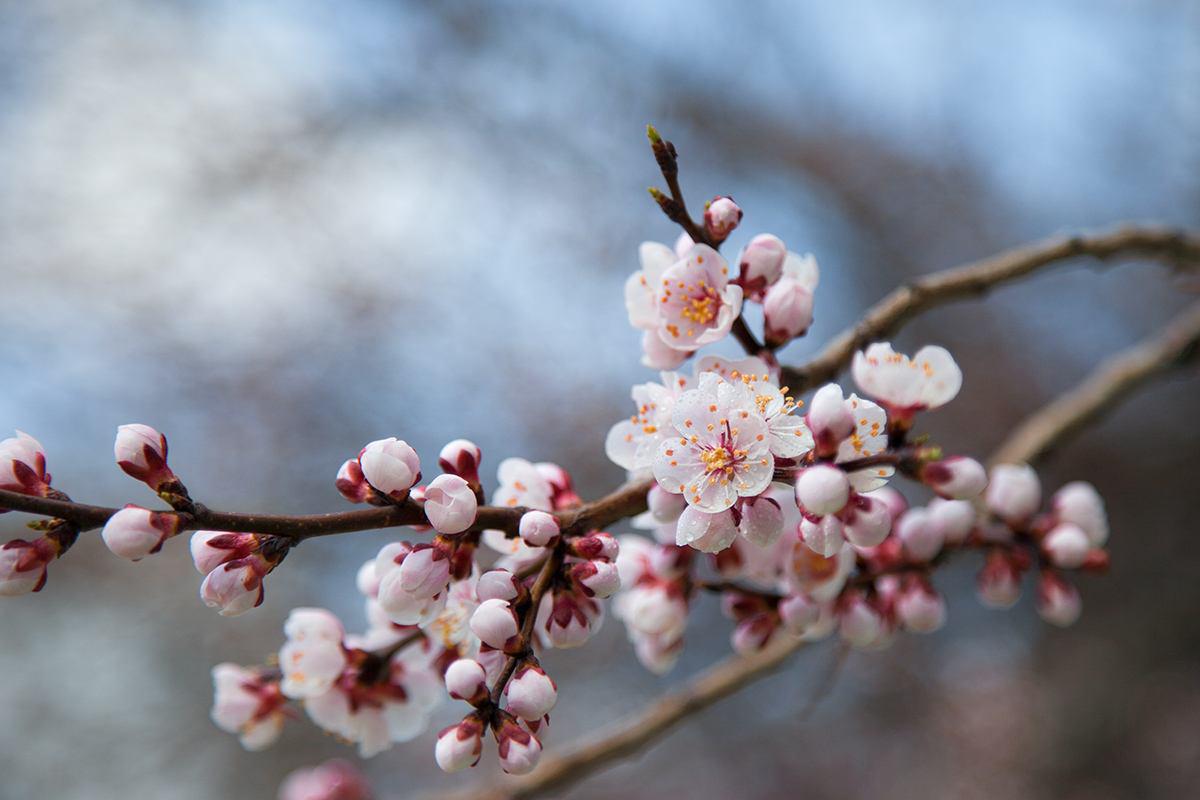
(1173, 247)
(1108, 385)
(1177, 344)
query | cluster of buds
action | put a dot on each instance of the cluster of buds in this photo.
(653, 601)
(23, 563)
(234, 566)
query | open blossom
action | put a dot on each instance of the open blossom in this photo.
(313, 656)
(23, 465)
(866, 437)
(687, 300)
(722, 451)
(391, 466)
(141, 452)
(450, 504)
(247, 704)
(135, 533)
(333, 780)
(788, 305)
(904, 385)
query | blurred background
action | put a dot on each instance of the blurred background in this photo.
(278, 230)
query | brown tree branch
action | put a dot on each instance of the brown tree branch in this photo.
(1109, 384)
(1174, 247)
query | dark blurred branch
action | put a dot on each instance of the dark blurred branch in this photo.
(1110, 384)
(1103, 390)
(1174, 247)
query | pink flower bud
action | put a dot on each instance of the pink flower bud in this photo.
(23, 565)
(333, 780)
(425, 571)
(598, 578)
(211, 549)
(787, 311)
(567, 619)
(822, 490)
(351, 483)
(466, 680)
(721, 216)
(866, 521)
(895, 502)
(495, 623)
(664, 506)
(538, 528)
(595, 545)
(1014, 493)
(760, 264)
(1067, 545)
(999, 582)
(135, 533)
(23, 465)
(236, 586)
(823, 535)
(829, 419)
(752, 634)
(798, 612)
(496, 584)
(920, 535)
(762, 520)
(860, 624)
(1079, 503)
(1058, 602)
(920, 609)
(955, 478)
(518, 748)
(391, 466)
(459, 746)
(461, 458)
(450, 504)
(531, 693)
(956, 518)
(141, 452)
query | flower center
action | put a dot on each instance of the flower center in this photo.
(702, 306)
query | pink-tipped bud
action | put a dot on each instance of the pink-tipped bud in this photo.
(1058, 602)
(829, 419)
(1014, 493)
(1079, 503)
(425, 571)
(538, 528)
(23, 465)
(920, 608)
(567, 618)
(497, 584)
(761, 264)
(861, 624)
(595, 545)
(955, 478)
(999, 582)
(391, 466)
(141, 452)
(466, 680)
(23, 565)
(787, 311)
(459, 746)
(461, 458)
(450, 504)
(1067, 545)
(598, 578)
(236, 586)
(866, 521)
(752, 634)
(956, 518)
(920, 535)
(495, 623)
(798, 612)
(519, 749)
(531, 693)
(211, 549)
(351, 482)
(822, 490)
(664, 506)
(135, 533)
(762, 520)
(721, 216)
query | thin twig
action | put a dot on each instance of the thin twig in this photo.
(1108, 385)
(1175, 247)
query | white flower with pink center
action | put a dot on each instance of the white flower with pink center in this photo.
(633, 443)
(313, 656)
(721, 451)
(906, 385)
(246, 704)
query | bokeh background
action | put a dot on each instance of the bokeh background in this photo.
(278, 230)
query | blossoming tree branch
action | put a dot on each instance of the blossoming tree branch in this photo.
(767, 485)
